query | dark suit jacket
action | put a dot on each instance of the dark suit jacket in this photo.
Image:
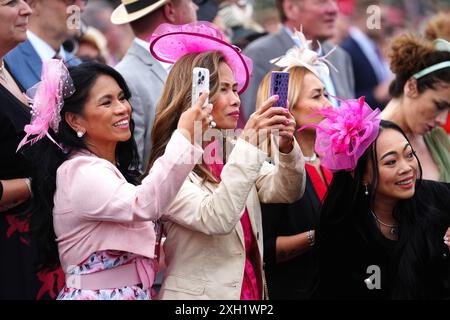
(264, 49)
(26, 65)
(296, 278)
(365, 77)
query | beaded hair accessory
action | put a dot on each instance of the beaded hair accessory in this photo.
(47, 99)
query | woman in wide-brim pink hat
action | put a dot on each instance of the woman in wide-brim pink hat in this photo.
(213, 228)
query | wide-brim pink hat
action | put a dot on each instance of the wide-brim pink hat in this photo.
(171, 42)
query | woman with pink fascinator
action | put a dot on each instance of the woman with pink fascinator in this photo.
(384, 232)
(289, 229)
(213, 247)
(92, 215)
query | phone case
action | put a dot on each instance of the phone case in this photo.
(200, 83)
(279, 83)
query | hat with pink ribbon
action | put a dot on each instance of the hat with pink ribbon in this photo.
(170, 42)
(345, 133)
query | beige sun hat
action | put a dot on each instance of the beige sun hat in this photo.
(130, 10)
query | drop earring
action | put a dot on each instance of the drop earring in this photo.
(367, 190)
(80, 134)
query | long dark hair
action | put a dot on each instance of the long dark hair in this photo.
(421, 223)
(46, 157)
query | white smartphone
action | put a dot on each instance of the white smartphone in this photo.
(200, 83)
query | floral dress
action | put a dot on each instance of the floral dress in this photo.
(104, 260)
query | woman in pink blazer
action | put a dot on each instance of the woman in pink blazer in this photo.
(91, 214)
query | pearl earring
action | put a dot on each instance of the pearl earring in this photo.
(80, 134)
(367, 190)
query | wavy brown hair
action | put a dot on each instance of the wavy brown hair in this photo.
(177, 97)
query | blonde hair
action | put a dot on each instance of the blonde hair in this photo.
(177, 97)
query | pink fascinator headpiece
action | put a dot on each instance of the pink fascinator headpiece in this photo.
(345, 133)
(170, 42)
(304, 56)
(47, 98)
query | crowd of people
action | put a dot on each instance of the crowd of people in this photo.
(117, 183)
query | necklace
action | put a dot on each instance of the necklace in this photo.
(311, 159)
(392, 227)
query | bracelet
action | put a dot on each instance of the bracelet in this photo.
(310, 237)
(28, 183)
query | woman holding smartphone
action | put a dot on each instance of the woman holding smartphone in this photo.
(213, 228)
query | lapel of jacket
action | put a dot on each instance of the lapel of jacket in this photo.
(285, 40)
(147, 58)
(32, 59)
(249, 205)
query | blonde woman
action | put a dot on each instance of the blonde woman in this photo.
(213, 228)
(289, 229)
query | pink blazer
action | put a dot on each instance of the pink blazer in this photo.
(97, 209)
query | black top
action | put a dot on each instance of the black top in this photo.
(358, 262)
(18, 263)
(14, 115)
(296, 278)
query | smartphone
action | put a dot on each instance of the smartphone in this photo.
(200, 83)
(279, 84)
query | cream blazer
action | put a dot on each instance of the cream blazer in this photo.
(204, 247)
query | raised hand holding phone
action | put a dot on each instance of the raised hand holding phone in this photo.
(200, 84)
(279, 84)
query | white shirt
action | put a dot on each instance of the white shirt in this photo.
(43, 49)
(146, 46)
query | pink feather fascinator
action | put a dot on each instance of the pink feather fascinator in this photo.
(345, 133)
(47, 99)
(171, 42)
